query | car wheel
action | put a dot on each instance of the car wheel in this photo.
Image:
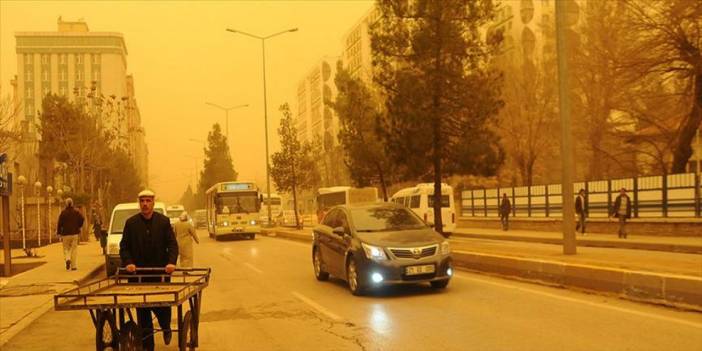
(440, 284)
(319, 273)
(353, 277)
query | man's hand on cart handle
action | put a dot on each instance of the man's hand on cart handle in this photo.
(170, 268)
(131, 268)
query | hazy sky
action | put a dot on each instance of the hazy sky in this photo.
(181, 56)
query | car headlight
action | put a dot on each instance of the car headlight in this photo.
(253, 222)
(374, 252)
(225, 223)
(445, 248)
(113, 248)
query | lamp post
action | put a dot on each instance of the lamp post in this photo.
(21, 182)
(196, 158)
(226, 115)
(265, 104)
(37, 193)
(49, 201)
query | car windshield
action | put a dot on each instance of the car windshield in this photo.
(380, 219)
(121, 216)
(174, 213)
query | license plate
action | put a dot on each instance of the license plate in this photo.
(239, 229)
(415, 270)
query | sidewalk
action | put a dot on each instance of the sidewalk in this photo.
(669, 278)
(26, 296)
(638, 242)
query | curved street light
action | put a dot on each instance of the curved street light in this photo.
(265, 102)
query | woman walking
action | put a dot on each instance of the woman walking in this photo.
(185, 234)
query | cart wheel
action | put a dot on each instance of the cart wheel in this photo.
(130, 337)
(106, 335)
(186, 336)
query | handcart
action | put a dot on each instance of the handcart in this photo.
(110, 302)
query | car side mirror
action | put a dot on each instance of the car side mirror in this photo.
(339, 231)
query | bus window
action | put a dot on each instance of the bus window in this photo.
(414, 201)
(237, 203)
(444, 200)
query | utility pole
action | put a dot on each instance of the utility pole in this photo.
(569, 241)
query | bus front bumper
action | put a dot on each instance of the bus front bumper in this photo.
(236, 230)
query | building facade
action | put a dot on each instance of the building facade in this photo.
(76, 63)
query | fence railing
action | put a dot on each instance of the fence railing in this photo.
(674, 195)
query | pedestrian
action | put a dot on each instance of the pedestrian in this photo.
(580, 211)
(97, 227)
(185, 234)
(148, 241)
(505, 209)
(622, 210)
(68, 228)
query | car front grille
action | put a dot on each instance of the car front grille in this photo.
(414, 252)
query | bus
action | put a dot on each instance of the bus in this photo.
(276, 207)
(233, 210)
(342, 195)
(420, 199)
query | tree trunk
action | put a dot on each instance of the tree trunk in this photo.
(383, 186)
(683, 147)
(294, 190)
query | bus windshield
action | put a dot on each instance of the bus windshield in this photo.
(237, 203)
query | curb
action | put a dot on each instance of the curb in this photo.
(39, 311)
(679, 291)
(691, 249)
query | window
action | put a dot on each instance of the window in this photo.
(45, 91)
(45, 59)
(63, 90)
(79, 75)
(29, 93)
(28, 59)
(330, 218)
(95, 58)
(414, 201)
(63, 75)
(79, 59)
(96, 74)
(444, 200)
(63, 59)
(29, 109)
(28, 76)
(45, 76)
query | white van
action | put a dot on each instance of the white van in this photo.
(119, 217)
(420, 199)
(174, 212)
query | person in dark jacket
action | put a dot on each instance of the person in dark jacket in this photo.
(68, 228)
(505, 209)
(148, 241)
(622, 210)
(580, 211)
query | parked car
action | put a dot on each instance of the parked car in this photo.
(287, 218)
(200, 218)
(379, 244)
(119, 217)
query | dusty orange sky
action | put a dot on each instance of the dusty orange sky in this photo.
(181, 56)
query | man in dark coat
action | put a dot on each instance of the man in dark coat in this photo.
(622, 210)
(505, 209)
(148, 241)
(580, 211)
(68, 228)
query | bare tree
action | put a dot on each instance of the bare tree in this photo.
(9, 128)
(669, 38)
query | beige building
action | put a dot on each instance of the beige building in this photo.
(356, 54)
(77, 63)
(316, 122)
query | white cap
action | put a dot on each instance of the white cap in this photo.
(146, 193)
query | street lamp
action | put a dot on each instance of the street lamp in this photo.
(21, 182)
(226, 114)
(49, 201)
(265, 103)
(37, 193)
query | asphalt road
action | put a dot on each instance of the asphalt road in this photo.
(263, 296)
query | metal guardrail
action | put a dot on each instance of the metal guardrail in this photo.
(674, 195)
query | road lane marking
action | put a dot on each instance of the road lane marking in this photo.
(319, 308)
(588, 303)
(253, 268)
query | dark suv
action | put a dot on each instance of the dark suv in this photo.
(379, 244)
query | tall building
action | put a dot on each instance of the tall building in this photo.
(317, 123)
(75, 62)
(356, 53)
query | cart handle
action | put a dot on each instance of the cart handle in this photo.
(159, 269)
